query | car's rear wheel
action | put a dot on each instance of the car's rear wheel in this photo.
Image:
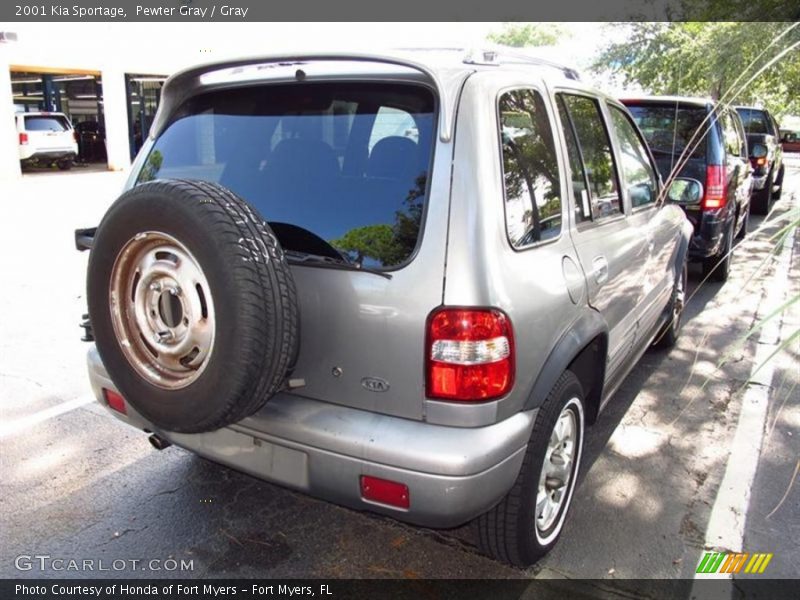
(743, 227)
(192, 304)
(761, 200)
(64, 165)
(668, 336)
(776, 195)
(718, 267)
(527, 523)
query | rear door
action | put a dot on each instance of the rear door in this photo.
(354, 182)
(611, 247)
(48, 132)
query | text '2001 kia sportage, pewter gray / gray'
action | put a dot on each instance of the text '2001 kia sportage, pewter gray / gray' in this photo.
(403, 283)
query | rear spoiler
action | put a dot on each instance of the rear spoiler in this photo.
(84, 238)
(183, 84)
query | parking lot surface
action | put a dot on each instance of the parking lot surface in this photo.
(77, 484)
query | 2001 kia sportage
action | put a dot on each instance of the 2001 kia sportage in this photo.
(403, 283)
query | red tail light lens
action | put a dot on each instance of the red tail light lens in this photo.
(23, 139)
(75, 135)
(115, 401)
(716, 187)
(470, 354)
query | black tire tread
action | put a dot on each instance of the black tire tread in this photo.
(761, 200)
(267, 297)
(779, 183)
(499, 529)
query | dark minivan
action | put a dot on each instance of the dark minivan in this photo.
(699, 139)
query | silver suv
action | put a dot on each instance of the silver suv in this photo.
(403, 283)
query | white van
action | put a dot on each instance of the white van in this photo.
(46, 138)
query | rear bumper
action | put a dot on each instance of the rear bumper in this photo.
(708, 238)
(453, 474)
(49, 156)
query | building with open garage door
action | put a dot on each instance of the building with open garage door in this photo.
(87, 105)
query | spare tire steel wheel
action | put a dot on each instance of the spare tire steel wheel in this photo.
(193, 305)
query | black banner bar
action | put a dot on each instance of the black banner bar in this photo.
(410, 589)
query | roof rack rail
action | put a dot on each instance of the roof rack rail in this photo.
(490, 56)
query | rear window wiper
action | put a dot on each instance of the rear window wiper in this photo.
(297, 257)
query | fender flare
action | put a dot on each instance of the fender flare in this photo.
(587, 327)
(682, 248)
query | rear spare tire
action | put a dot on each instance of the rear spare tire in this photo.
(192, 303)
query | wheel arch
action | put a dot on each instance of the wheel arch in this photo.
(583, 349)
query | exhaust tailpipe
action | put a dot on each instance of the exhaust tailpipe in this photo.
(157, 442)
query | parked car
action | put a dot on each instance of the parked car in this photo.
(91, 141)
(768, 169)
(46, 138)
(469, 303)
(790, 141)
(699, 139)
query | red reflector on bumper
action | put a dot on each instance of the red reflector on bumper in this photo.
(384, 491)
(115, 401)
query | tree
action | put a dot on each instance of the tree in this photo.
(521, 35)
(715, 59)
(370, 241)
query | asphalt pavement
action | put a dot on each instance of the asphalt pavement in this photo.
(79, 485)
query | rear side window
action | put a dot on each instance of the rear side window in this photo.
(733, 143)
(531, 179)
(638, 172)
(46, 123)
(337, 169)
(583, 123)
(672, 128)
(754, 121)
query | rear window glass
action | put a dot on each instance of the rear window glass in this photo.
(671, 129)
(337, 169)
(754, 121)
(46, 123)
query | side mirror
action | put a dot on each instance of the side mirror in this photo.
(685, 191)
(758, 151)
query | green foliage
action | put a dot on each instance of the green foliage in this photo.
(521, 35)
(388, 244)
(373, 241)
(713, 59)
(152, 167)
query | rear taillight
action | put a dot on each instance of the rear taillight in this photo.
(75, 135)
(716, 187)
(470, 354)
(115, 401)
(23, 139)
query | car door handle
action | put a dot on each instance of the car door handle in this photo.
(600, 267)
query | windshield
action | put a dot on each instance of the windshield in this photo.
(669, 129)
(337, 169)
